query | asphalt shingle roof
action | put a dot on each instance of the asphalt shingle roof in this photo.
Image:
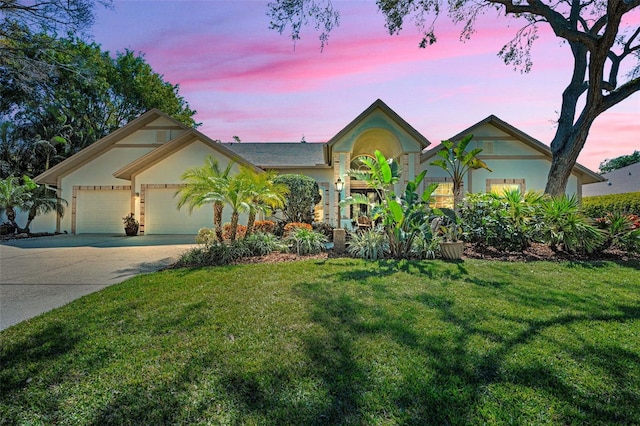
(280, 154)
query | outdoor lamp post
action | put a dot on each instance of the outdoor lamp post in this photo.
(339, 188)
(339, 234)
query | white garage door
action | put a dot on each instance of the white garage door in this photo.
(101, 211)
(163, 217)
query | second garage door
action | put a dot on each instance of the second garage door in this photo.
(163, 217)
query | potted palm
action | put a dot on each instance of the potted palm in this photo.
(448, 226)
(131, 225)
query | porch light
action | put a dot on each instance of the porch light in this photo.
(339, 185)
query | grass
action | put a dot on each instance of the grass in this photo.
(339, 341)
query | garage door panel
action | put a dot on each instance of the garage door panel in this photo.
(101, 211)
(163, 217)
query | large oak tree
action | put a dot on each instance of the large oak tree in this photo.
(606, 53)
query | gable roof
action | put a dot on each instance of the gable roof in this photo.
(281, 154)
(620, 181)
(378, 104)
(176, 144)
(97, 148)
(589, 175)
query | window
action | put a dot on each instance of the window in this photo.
(318, 209)
(499, 186)
(443, 195)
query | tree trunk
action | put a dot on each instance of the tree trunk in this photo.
(217, 220)
(250, 223)
(458, 189)
(234, 225)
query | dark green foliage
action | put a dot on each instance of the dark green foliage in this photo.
(303, 195)
(622, 231)
(619, 162)
(260, 244)
(324, 228)
(509, 222)
(565, 227)
(599, 206)
(90, 94)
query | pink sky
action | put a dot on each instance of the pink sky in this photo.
(249, 81)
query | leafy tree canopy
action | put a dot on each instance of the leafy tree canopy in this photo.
(89, 94)
(604, 46)
(303, 195)
(619, 162)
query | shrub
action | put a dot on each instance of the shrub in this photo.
(290, 227)
(214, 254)
(622, 231)
(260, 244)
(324, 228)
(600, 205)
(264, 226)
(303, 195)
(240, 232)
(507, 222)
(206, 236)
(371, 244)
(426, 246)
(305, 241)
(564, 226)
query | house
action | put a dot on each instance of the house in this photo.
(516, 159)
(137, 168)
(625, 179)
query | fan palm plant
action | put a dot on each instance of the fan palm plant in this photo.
(203, 185)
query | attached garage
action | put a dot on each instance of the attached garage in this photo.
(100, 209)
(161, 216)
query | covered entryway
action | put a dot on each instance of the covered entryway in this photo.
(161, 215)
(100, 209)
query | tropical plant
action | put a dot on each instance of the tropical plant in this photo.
(261, 244)
(203, 185)
(304, 241)
(265, 226)
(403, 217)
(622, 231)
(368, 244)
(292, 226)
(457, 162)
(43, 200)
(14, 195)
(263, 194)
(304, 194)
(563, 226)
(505, 222)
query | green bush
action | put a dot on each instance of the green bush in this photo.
(371, 244)
(304, 241)
(599, 206)
(206, 236)
(622, 231)
(215, 254)
(564, 227)
(508, 222)
(260, 244)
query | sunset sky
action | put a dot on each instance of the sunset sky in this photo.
(247, 80)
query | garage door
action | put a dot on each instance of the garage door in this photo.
(101, 211)
(162, 216)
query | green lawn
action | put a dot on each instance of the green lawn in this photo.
(340, 341)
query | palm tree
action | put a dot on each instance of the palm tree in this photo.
(237, 196)
(263, 194)
(206, 185)
(14, 196)
(457, 162)
(43, 201)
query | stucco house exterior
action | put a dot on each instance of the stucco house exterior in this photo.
(137, 168)
(625, 179)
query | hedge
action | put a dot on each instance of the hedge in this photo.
(600, 205)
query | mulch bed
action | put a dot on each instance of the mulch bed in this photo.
(537, 252)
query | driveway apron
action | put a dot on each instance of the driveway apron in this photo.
(40, 274)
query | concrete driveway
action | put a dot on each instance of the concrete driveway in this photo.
(40, 274)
